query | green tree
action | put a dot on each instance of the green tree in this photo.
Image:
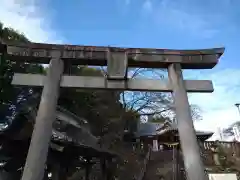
(10, 95)
(99, 107)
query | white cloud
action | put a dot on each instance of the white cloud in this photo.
(218, 107)
(203, 19)
(147, 5)
(222, 118)
(173, 14)
(127, 2)
(28, 18)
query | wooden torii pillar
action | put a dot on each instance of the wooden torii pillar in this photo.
(117, 60)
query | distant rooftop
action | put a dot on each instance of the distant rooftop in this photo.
(154, 129)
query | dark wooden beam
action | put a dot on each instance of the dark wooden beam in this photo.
(97, 56)
(88, 169)
(103, 168)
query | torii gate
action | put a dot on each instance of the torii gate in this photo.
(117, 60)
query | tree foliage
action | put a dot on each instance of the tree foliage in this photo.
(159, 119)
(11, 96)
(158, 104)
(93, 105)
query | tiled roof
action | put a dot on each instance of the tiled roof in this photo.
(152, 129)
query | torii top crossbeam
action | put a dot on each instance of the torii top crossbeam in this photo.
(97, 55)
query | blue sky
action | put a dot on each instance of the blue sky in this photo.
(175, 24)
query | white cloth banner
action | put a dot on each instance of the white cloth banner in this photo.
(221, 176)
(155, 145)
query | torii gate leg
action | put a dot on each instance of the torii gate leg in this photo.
(191, 154)
(38, 150)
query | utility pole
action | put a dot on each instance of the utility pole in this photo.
(238, 107)
(236, 128)
(220, 133)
